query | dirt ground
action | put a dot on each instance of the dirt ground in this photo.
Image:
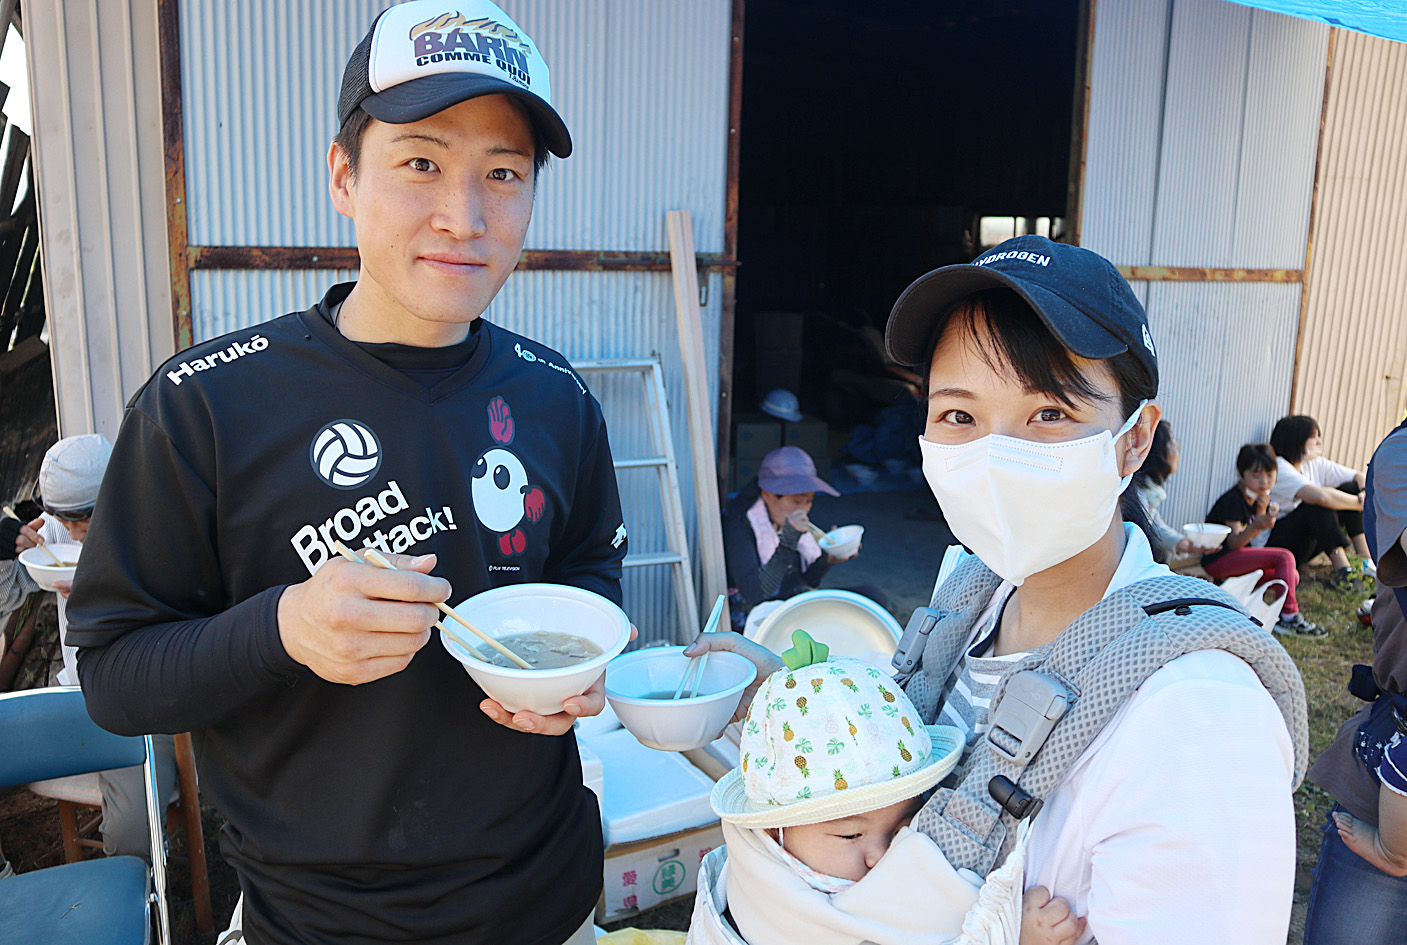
(898, 533)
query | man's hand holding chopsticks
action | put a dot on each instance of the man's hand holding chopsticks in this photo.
(355, 623)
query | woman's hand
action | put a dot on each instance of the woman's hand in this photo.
(854, 554)
(764, 659)
(29, 535)
(799, 520)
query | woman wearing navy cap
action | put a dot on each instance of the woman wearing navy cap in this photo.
(1163, 812)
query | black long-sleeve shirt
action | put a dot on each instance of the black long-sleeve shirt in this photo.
(395, 810)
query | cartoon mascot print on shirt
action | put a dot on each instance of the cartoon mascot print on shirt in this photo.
(502, 495)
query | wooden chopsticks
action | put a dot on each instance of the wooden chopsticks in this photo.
(380, 561)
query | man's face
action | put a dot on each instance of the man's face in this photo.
(441, 207)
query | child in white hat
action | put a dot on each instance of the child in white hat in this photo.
(835, 763)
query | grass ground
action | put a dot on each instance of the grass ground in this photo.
(1324, 663)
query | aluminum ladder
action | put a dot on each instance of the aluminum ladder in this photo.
(667, 470)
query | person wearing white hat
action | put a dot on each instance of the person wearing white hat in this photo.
(373, 793)
(835, 763)
(67, 490)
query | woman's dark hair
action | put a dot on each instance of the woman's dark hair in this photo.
(349, 138)
(1158, 466)
(1257, 456)
(1291, 434)
(1015, 341)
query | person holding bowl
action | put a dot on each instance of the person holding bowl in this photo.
(1173, 823)
(768, 545)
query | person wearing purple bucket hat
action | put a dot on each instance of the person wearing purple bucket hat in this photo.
(770, 550)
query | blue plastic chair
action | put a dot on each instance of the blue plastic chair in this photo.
(46, 733)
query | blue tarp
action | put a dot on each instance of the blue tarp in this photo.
(1386, 18)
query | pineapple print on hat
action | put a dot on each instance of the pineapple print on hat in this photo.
(831, 709)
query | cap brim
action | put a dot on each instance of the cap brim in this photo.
(423, 97)
(782, 414)
(730, 800)
(796, 485)
(914, 320)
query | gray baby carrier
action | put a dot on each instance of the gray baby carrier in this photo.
(1050, 705)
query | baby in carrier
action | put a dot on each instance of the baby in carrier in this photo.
(835, 763)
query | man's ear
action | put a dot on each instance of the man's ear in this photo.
(340, 181)
(1139, 440)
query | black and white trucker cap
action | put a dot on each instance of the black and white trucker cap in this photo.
(1079, 295)
(424, 56)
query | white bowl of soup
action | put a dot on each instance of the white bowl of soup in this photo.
(640, 688)
(567, 634)
(842, 542)
(41, 567)
(1205, 535)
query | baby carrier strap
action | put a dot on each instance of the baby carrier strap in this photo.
(936, 636)
(1050, 706)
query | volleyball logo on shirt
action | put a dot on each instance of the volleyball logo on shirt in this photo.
(345, 454)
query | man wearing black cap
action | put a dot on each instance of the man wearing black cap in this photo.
(373, 793)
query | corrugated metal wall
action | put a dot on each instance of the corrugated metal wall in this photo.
(97, 150)
(1354, 351)
(642, 85)
(1203, 123)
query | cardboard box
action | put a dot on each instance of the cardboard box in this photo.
(754, 436)
(779, 367)
(644, 874)
(649, 793)
(779, 329)
(809, 433)
(741, 472)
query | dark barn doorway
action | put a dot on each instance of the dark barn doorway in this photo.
(879, 141)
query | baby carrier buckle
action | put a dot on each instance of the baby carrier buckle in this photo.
(1032, 704)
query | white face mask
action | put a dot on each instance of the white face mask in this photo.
(1023, 506)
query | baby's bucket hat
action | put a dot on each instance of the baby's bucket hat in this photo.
(830, 738)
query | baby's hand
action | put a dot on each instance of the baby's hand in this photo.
(1047, 920)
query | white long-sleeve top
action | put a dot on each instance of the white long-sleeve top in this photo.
(1176, 824)
(53, 532)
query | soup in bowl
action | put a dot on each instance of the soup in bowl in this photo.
(41, 567)
(566, 634)
(640, 687)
